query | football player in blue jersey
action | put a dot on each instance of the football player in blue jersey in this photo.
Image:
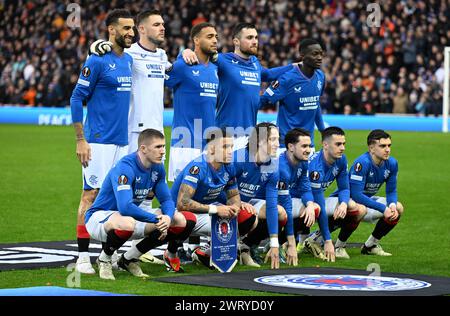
(367, 175)
(240, 75)
(294, 187)
(115, 216)
(257, 177)
(199, 187)
(298, 92)
(325, 166)
(104, 85)
(195, 96)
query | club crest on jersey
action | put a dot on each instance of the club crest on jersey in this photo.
(319, 85)
(335, 171)
(264, 176)
(93, 179)
(86, 71)
(358, 167)
(194, 170)
(154, 176)
(122, 179)
(224, 230)
(299, 172)
(315, 175)
(226, 176)
(196, 73)
(387, 173)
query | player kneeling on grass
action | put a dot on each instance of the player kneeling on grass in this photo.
(115, 216)
(367, 175)
(325, 166)
(199, 186)
(294, 187)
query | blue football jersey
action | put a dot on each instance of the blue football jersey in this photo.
(195, 96)
(299, 100)
(105, 85)
(207, 182)
(258, 181)
(240, 83)
(321, 176)
(127, 184)
(293, 183)
(366, 179)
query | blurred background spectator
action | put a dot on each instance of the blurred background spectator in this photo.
(397, 67)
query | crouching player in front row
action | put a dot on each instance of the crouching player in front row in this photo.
(199, 186)
(367, 175)
(294, 187)
(115, 216)
(325, 166)
(257, 178)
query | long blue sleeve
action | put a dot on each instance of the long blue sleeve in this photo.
(357, 194)
(163, 195)
(272, 74)
(319, 119)
(391, 186)
(343, 187)
(285, 201)
(272, 204)
(85, 86)
(323, 218)
(124, 197)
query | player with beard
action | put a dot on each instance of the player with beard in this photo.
(240, 76)
(105, 85)
(195, 96)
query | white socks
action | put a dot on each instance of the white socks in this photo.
(340, 244)
(372, 241)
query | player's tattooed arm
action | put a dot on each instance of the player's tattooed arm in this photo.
(233, 198)
(186, 203)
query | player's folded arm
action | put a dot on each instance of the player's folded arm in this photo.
(186, 203)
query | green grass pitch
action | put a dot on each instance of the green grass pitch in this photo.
(41, 186)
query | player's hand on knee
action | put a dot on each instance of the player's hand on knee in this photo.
(340, 211)
(100, 47)
(329, 251)
(248, 207)
(83, 152)
(189, 57)
(393, 208)
(163, 223)
(274, 255)
(310, 216)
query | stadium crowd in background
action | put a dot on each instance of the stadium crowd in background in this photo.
(394, 68)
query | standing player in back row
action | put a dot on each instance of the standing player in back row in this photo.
(367, 175)
(105, 85)
(240, 77)
(299, 91)
(195, 96)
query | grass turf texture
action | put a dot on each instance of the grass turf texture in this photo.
(41, 186)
